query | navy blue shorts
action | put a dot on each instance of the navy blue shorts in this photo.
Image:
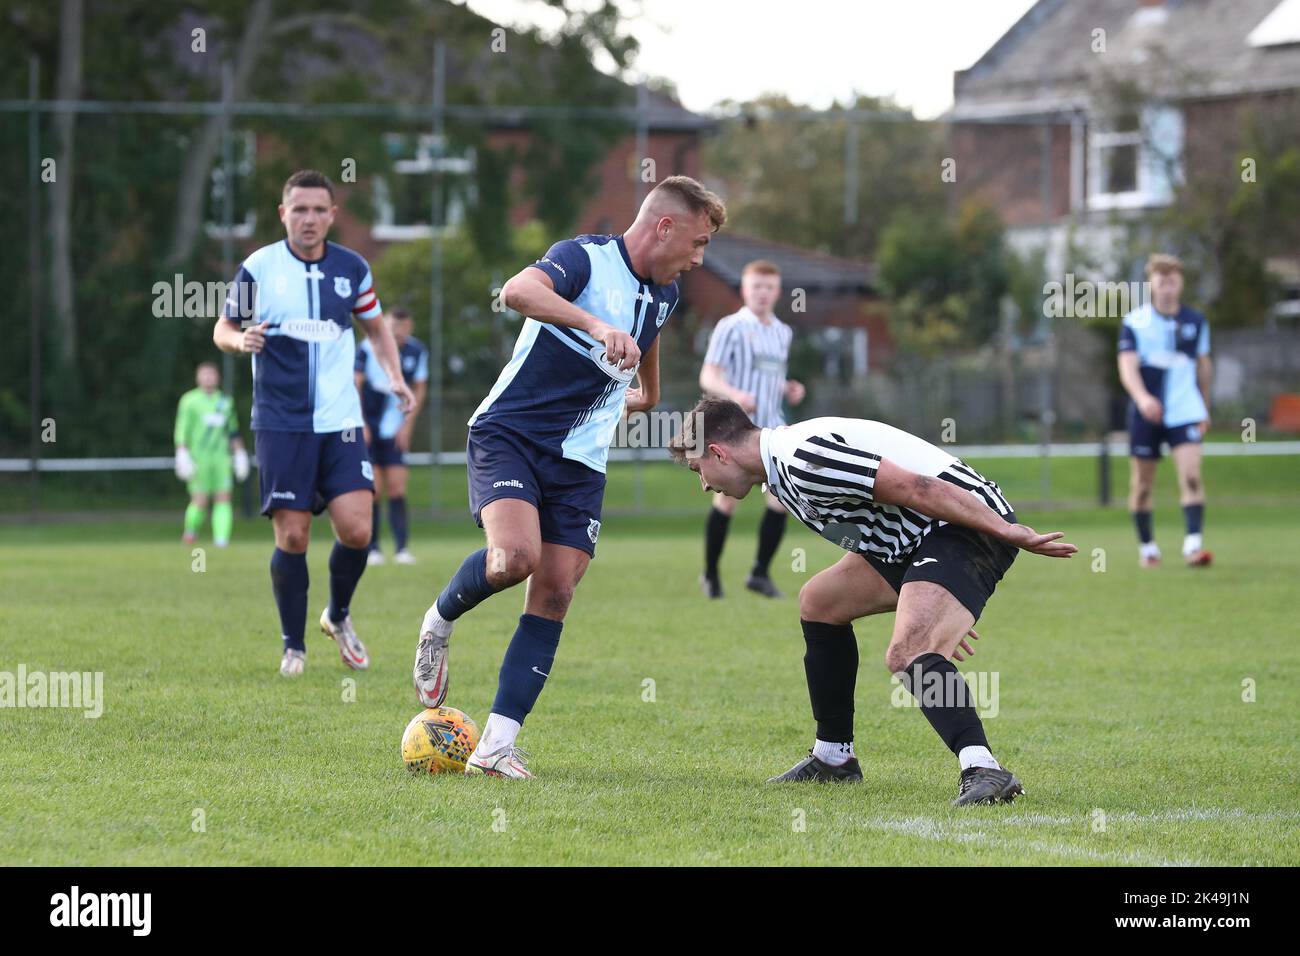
(304, 471)
(384, 452)
(567, 494)
(1144, 438)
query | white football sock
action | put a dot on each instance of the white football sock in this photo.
(434, 623)
(1149, 550)
(833, 753)
(977, 757)
(1191, 542)
(499, 732)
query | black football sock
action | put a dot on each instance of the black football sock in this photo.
(1194, 516)
(770, 531)
(831, 665)
(526, 666)
(397, 518)
(945, 700)
(346, 567)
(374, 525)
(289, 585)
(1142, 520)
(715, 536)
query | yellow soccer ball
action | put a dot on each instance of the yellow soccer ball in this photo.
(439, 740)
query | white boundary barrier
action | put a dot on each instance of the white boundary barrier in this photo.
(1055, 450)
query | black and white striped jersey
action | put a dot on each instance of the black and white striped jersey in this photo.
(824, 471)
(753, 355)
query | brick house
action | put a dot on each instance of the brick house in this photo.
(1085, 117)
(823, 296)
(673, 139)
(1037, 133)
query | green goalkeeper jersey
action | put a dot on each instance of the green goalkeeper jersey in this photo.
(205, 424)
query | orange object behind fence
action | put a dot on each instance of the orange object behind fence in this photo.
(1285, 413)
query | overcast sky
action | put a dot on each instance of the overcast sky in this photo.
(813, 51)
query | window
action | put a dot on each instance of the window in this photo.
(243, 211)
(403, 199)
(1135, 159)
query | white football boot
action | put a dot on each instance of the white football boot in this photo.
(344, 635)
(509, 761)
(374, 556)
(431, 674)
(404, 557)
(293, 662)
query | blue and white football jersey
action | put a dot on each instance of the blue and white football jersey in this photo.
(1167, 349)
(302, 378)
(557, 389)
(380, 409)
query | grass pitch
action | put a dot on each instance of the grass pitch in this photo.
(1120, 705)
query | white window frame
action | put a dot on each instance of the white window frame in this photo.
(244, 165)
(425, 162)
(1157, 171)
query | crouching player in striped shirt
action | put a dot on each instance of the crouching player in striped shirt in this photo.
(928, 537)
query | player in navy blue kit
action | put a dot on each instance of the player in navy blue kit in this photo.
(291, 307)
(1164, 365)
(538, 442)
(388, 430)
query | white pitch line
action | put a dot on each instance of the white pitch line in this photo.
(1181, 815)
(955, 832)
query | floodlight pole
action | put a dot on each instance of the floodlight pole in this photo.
(435, 271)
(34, 263)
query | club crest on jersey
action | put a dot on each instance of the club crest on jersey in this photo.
(663, 315)
(342, 286)
(593, 530)
(1189, 330)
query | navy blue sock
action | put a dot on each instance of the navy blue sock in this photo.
(346, 567)
(1194, 515)
(1143, 521)
(397, 518)
(374, 525)
(526, 666)
(289, 584)
(467, 588)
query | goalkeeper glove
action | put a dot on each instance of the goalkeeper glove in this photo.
(241, 464)
(184, 464)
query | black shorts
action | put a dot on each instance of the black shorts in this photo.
(967, 564)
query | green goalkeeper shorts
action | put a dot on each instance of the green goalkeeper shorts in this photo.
(212, 476)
